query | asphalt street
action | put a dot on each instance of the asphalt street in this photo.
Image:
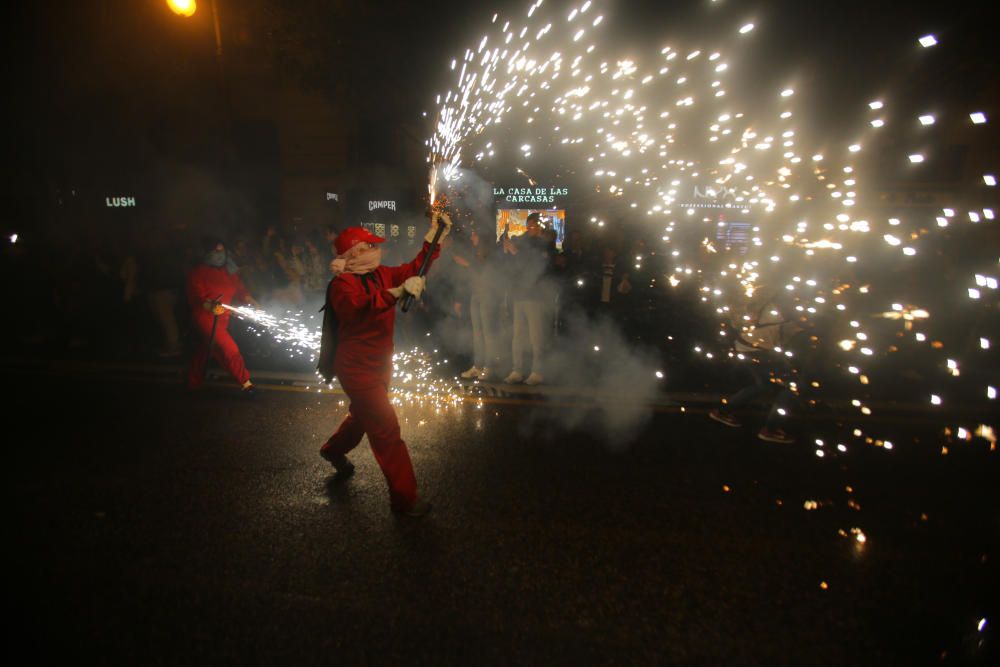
(156, 526)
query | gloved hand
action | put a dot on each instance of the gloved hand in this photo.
(415, 285)
(438, 218)
(213, 307)
(396, 292)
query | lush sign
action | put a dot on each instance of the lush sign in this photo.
(120, 202)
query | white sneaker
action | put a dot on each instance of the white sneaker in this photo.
(514, 378)
(534, 378)
(470, 374)
(484, 373)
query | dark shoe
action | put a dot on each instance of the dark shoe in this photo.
(339, 462)
(250, 391)
(417, 509)
(716, 415)
(344, 469)
(775, 435)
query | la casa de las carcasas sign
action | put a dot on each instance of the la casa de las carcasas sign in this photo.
(536, 195)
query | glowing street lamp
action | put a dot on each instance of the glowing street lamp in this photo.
(185, 8)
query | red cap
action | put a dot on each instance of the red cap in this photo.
(352, 236)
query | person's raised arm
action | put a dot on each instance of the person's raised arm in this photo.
(400, 273)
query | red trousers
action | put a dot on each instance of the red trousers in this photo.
(372, 413)
(224, 351)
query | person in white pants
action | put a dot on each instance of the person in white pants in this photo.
(482, 305)
(531, 305)
(530, 325)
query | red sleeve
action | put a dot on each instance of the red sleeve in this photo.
(403, 271)
(350, 300)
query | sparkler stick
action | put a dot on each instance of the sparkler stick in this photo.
(408, 298)
(215, 323)
(432, 186)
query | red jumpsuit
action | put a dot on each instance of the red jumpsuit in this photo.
(366, 313)
(206, 283)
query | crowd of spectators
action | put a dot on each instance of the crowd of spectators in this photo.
(511, 299)
(121, 295)
(498, 307)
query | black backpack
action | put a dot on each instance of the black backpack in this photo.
(331, 334)
(328, 340)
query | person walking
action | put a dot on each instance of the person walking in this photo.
(363, 296)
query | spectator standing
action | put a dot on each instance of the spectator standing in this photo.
(162, 263)
(531, 255)
(483, 300)
(316, 269)
(163, 271)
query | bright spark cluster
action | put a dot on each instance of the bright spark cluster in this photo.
(662, 136)
(415, 373)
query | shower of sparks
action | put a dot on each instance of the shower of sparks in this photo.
(661, 134)
(416, 376)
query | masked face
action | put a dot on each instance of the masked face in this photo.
(363, 258)
(216, 258)
(370, 254)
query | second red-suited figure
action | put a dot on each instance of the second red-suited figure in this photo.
(210, 285)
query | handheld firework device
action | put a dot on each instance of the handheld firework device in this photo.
(408, 298)
(215, 322)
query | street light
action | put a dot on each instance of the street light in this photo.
(187, 8)
(183, 8)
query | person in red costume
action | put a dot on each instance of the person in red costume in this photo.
(363, 296)
(211, 284)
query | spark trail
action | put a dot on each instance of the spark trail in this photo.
(665, 139)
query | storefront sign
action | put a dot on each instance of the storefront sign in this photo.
(534, 195)
(382, 204)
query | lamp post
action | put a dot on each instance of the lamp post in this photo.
(187, 8)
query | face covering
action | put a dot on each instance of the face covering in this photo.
(356, 261)
(216, 258)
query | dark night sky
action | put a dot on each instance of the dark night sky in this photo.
(847, 45)
(71, 67)
(836, 42)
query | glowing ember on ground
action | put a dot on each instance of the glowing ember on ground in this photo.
(414, 376)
